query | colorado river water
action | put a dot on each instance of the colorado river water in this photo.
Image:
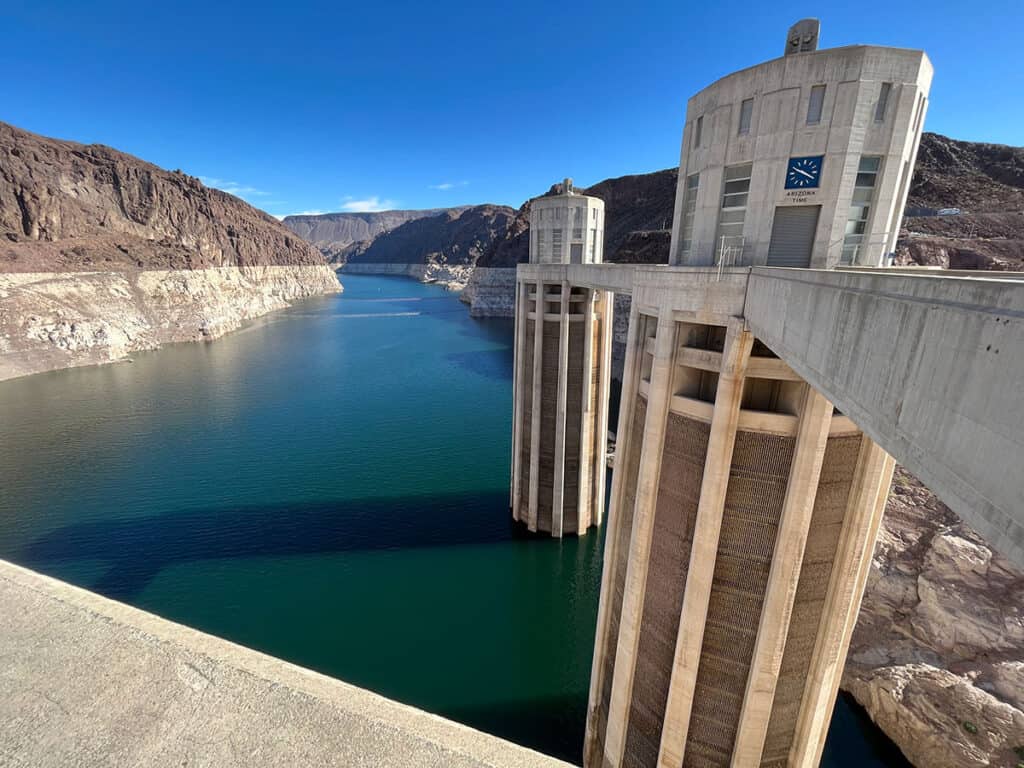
(328, 485)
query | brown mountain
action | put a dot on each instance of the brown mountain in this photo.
(456, 236)
(338, 234)
(103, 254)
(67, 206)
(986, 183)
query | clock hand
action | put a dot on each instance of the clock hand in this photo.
(805, 173)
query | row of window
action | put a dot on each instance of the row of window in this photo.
(579, 214)
(860, 209)
(815, 108)
(540, 240)
(733, 210)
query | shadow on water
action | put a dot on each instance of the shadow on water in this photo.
(553, 725)
(556, 726)
(854, 741)
(147, 545)
(494, 364)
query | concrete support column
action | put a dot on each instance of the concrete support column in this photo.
(864, 509)
(518, 395)
(604, 380)
(558, 491)
(787, 560)
(630, 381)
(585, 485)
(704, 550)
(538, 373)
(658, 399)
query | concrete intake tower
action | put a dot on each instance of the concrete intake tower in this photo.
(773, 371)
(562, 373)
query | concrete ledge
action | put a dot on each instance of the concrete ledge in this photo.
(86, 681)
(928, 365)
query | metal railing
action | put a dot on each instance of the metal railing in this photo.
(858, 247)
(729, 253)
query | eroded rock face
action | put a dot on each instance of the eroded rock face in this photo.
(67, 206)
(335, 234)
(491, 292)
(103, 254)
(455, 237)
(937, 657)
(940, 719)
(52, 320)
(985, 182)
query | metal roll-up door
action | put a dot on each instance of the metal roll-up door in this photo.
(793, 235)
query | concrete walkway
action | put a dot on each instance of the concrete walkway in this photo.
(86, 681)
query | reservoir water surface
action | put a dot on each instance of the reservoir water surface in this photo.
(328, 485)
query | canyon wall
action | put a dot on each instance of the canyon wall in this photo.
(937, 657)
(51, 320)
(339, 234)
(103, 255)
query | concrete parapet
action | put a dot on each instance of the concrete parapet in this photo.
(89, 681)
(929, 365)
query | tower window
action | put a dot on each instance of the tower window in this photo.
(883, 102)
(729, 237)
(698, 131)
(815, 104)
(689, 210)
(856, 238)
(746, 112)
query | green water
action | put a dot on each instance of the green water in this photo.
(328, 485)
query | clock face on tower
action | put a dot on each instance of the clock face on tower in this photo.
(804, 172)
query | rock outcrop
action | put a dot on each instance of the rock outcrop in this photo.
(103, 254)
(338, 234)
(937, 657)
(436, 246)
(986, 183)
(457, 237)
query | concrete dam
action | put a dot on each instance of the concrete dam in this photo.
(776, 370)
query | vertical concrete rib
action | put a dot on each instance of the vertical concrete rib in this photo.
(604, 379)
(787, 559)
(659, 396)
(535, 403)
(703, 553)
(517, 399)
(558, 481)
(592, 747)
(585, 485)
(868, 495)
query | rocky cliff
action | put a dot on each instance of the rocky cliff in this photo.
(458, 236)
(439, 249)
(103, 254)
(986, 183)
(338, 234)
(937, 657)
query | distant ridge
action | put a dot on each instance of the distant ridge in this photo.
(336, 233)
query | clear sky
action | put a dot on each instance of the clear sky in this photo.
(305, 106)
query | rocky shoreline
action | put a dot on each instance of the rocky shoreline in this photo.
(103, 255)
(937, 657)
(53, 320)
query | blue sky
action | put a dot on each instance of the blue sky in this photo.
(329, 106)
